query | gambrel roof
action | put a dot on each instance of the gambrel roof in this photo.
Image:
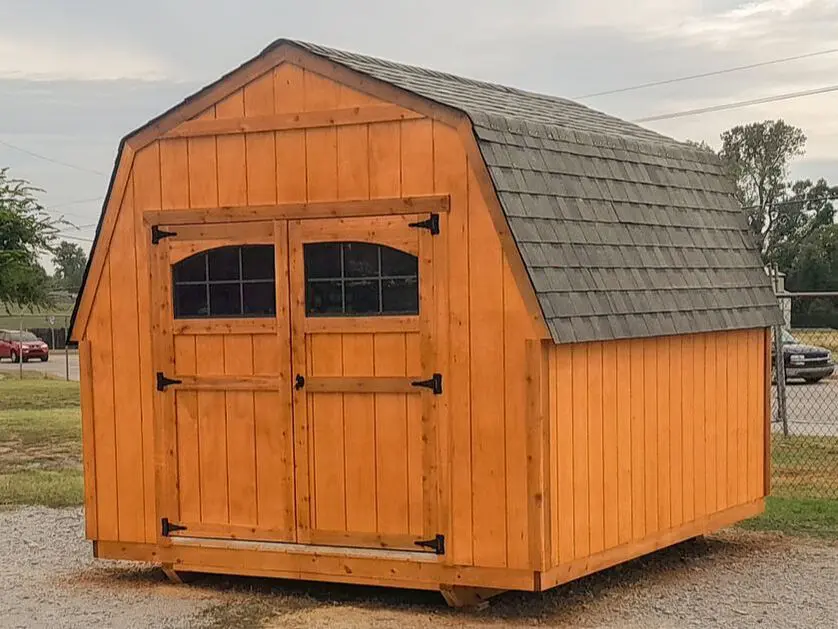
(623, 232)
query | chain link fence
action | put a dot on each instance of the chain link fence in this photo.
(22, 354)
(805, 397)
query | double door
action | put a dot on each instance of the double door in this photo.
(297, 378)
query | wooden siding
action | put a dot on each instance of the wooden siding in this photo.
(650, 436)
(481, 323)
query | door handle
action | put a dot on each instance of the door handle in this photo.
(299, 382)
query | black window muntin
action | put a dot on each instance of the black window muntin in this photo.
(225, 282)
(351, 279)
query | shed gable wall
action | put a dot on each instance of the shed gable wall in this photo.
(481, 329)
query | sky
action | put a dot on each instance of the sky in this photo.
(77, 76)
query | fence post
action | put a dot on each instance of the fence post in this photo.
(20, 348)
(780, 371)
(66, 351)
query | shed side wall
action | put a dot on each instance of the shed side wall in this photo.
(482, 325)
(651, 435)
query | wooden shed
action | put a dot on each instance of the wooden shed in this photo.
(355, 321)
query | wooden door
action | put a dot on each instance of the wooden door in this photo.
(222, 358)
(366, 382)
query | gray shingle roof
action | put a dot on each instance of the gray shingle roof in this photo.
(624, 232)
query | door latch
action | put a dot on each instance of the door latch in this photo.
(431, 224)
(163, 381)
(158, 234)
(437, 544)
(434, 384)
(299, 382)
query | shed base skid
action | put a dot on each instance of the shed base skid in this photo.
(461, 586)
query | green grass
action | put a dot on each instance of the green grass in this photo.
(40, 443)
(37, 393)
(798, 516)
(51, 488)
(804, 467)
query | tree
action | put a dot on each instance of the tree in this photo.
(26, 231)
(69, 260)
(757, 156)
(816, 268)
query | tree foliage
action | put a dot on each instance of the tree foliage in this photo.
(757, 156)
(26, 232)
(69, 260)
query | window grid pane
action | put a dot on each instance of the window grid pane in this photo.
(225, 292)
(359, 289)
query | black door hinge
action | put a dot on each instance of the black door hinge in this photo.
(163, 381)
(432, 224)
(158, 234)
(170, 527)
(434, 384)
(437, 544)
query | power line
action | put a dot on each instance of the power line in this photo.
(703, 75)
(50, 159)
(829, 197)
(69, 237)
(76, 202)
(736, 105)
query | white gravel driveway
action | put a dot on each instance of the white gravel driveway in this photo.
(732, 580)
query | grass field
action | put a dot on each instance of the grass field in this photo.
(40, 442)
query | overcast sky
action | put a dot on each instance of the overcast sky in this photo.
(77, 76)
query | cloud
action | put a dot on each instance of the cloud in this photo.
(23, 58)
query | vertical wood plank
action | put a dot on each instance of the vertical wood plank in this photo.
(390, 355)
(666, 453)
(450, 177)
(353, 162)
(186, 411)
(688, 422)
(99, 331)
(742, 418)
(564, 388)
(289, 89)
(232, 155)
(732, 423)
(650, 419)
(321, 144)
(203, 168)
(519, 421)
(260, 148)
(677, 358)
(174, 169)
(710, 423)
(625, 449)
(241, 433)
(91, 527)
(289, 94)
(146, 190)
(126, 377)
(487, 386)
(721, 420)
(212, 432)
(415, 446)
(320, 93)
(755, 419)
(581, 485)
(385, 156)
(538, 488)
(360, 436)
(700, 428)
(638, 441)
(610, 439)
(327, 436)
(596, 491)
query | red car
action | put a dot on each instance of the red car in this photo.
(15, 344)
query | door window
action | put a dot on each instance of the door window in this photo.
(360, 279)
(226, 282)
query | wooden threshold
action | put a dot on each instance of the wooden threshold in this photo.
(368, 384)
(578, 568)
(292, 211)
(296, 120)
(322, 563)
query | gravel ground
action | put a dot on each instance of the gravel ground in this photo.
(735, 579)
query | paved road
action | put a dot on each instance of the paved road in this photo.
(55, 366)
